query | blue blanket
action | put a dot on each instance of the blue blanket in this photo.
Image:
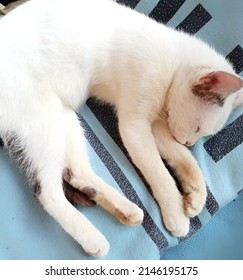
(27, 232)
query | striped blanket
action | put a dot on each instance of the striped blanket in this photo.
(220, 158)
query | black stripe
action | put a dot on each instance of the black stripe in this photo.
(150, 227)
(236, 58)
(195, 20)
(107, 117)
(166, 9)
(1, 142)
(6, 2)
(130, 3)
(226, 140)
(211, 203)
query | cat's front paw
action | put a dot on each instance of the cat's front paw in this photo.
(195, 198)
(97, 246)
(177, 223)
(194, 188)
(129, 214)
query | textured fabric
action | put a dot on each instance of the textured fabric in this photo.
(220, 239)
(29, 233)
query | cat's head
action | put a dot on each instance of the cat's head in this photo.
(200, 101)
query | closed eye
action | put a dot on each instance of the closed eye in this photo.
(198, 129)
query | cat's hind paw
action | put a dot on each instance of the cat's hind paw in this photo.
(97, 247)
(130, 215)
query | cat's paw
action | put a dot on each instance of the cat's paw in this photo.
(129, 214)
(195, 198)
(97, 246)
(177, 223)
(194, 188)
(173, 214)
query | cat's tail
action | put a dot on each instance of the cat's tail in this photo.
(76, 197)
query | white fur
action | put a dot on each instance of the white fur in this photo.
(52, 60)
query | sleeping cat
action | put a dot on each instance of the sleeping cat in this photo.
(168, 88)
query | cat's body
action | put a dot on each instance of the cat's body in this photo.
(165, 86)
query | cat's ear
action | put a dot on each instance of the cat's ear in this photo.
(216, 86)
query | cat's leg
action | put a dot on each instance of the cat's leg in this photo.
(79, 174)
(44, 147)
(140, 143)
(186, 168)
(78, 226)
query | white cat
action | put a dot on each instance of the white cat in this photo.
(168, 88)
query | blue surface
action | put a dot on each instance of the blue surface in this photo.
(220, 239)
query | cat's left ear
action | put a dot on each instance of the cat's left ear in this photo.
(217, 86)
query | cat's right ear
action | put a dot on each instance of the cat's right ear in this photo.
(216, 86)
